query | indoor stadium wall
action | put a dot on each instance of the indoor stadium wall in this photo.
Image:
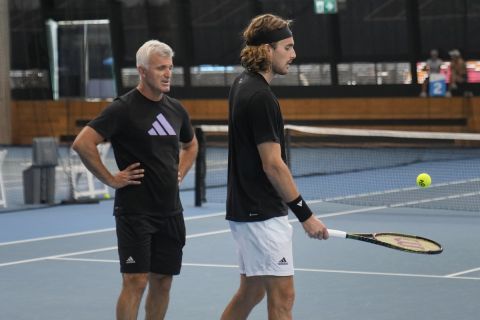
(63, 119)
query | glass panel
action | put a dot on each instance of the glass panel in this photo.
(393, 73)
(356, 73)
(210, 75)
(21, 79)
(422, 73)
(473, 70)
(130, 77)
(314, 74)
(85, 63)
(298, 75)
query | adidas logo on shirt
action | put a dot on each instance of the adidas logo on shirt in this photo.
(130, 260)
(283, 262)
(161, 127)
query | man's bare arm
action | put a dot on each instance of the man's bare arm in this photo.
(188, 154)
(281, 178)
(86, 146)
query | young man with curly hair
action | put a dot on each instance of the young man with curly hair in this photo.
(260, 185)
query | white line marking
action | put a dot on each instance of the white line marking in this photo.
(462, 272)
(76, 234)
(60, 236)
(333, 214)
(385, 274)
(210, 215)
(203, 234)
(195, 235)
(341, 213)
(55, 256)
(85, 260)
(210, 265)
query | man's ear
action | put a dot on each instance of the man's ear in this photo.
(141, 71)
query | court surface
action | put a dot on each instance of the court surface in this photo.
(61, 263)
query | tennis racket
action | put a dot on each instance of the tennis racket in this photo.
(398, 241)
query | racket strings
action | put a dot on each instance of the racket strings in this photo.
(411, 243)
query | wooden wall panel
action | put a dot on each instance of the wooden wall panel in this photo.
(203, 109)
(60, 118)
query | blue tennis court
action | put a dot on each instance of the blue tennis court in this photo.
(61, 263)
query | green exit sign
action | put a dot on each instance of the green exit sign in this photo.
(325, 6)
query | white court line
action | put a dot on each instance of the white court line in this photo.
(326, 215)
(60, 236)
(211, 233)
(210, 215)
(462, 272)
(55, 256)
(84, 260)
(386, 274)
(333, 214)
(76, 234)
(209, 265)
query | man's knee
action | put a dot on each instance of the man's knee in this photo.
(283, 299)
(160, 282)
(135, 282)
(255, 295)
(281, 295)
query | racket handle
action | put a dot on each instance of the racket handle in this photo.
(337, 233)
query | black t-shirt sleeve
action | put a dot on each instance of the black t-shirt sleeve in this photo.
(186, 132)
(263, 115)
(110, 119)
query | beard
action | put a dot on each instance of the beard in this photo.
(280, 69)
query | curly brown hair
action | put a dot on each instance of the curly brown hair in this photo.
(254, 58)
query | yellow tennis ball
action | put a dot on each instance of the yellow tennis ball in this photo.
(424, 180)
(106, 196)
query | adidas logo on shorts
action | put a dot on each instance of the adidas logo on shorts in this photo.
(130, 260)
(283, 262)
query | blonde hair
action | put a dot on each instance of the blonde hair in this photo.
(254, 58)
(152, 46)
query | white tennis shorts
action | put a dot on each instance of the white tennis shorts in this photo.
(264, 247)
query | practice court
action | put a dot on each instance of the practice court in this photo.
(61, 263)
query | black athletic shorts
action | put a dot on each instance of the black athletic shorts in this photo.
(150, 244)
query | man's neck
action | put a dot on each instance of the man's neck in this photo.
(148, 93)
(268, 75)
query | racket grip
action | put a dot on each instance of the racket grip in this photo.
(337, 233)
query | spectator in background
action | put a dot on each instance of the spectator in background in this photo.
(432, 66)
(458, 74)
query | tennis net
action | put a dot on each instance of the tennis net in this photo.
(360, 167)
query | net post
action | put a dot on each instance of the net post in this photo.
(200, 168)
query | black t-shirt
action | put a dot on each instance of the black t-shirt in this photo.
(254, 118)
(148, 132)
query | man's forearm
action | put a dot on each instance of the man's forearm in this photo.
(91, 159)
(281, 178)
(187, 157)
